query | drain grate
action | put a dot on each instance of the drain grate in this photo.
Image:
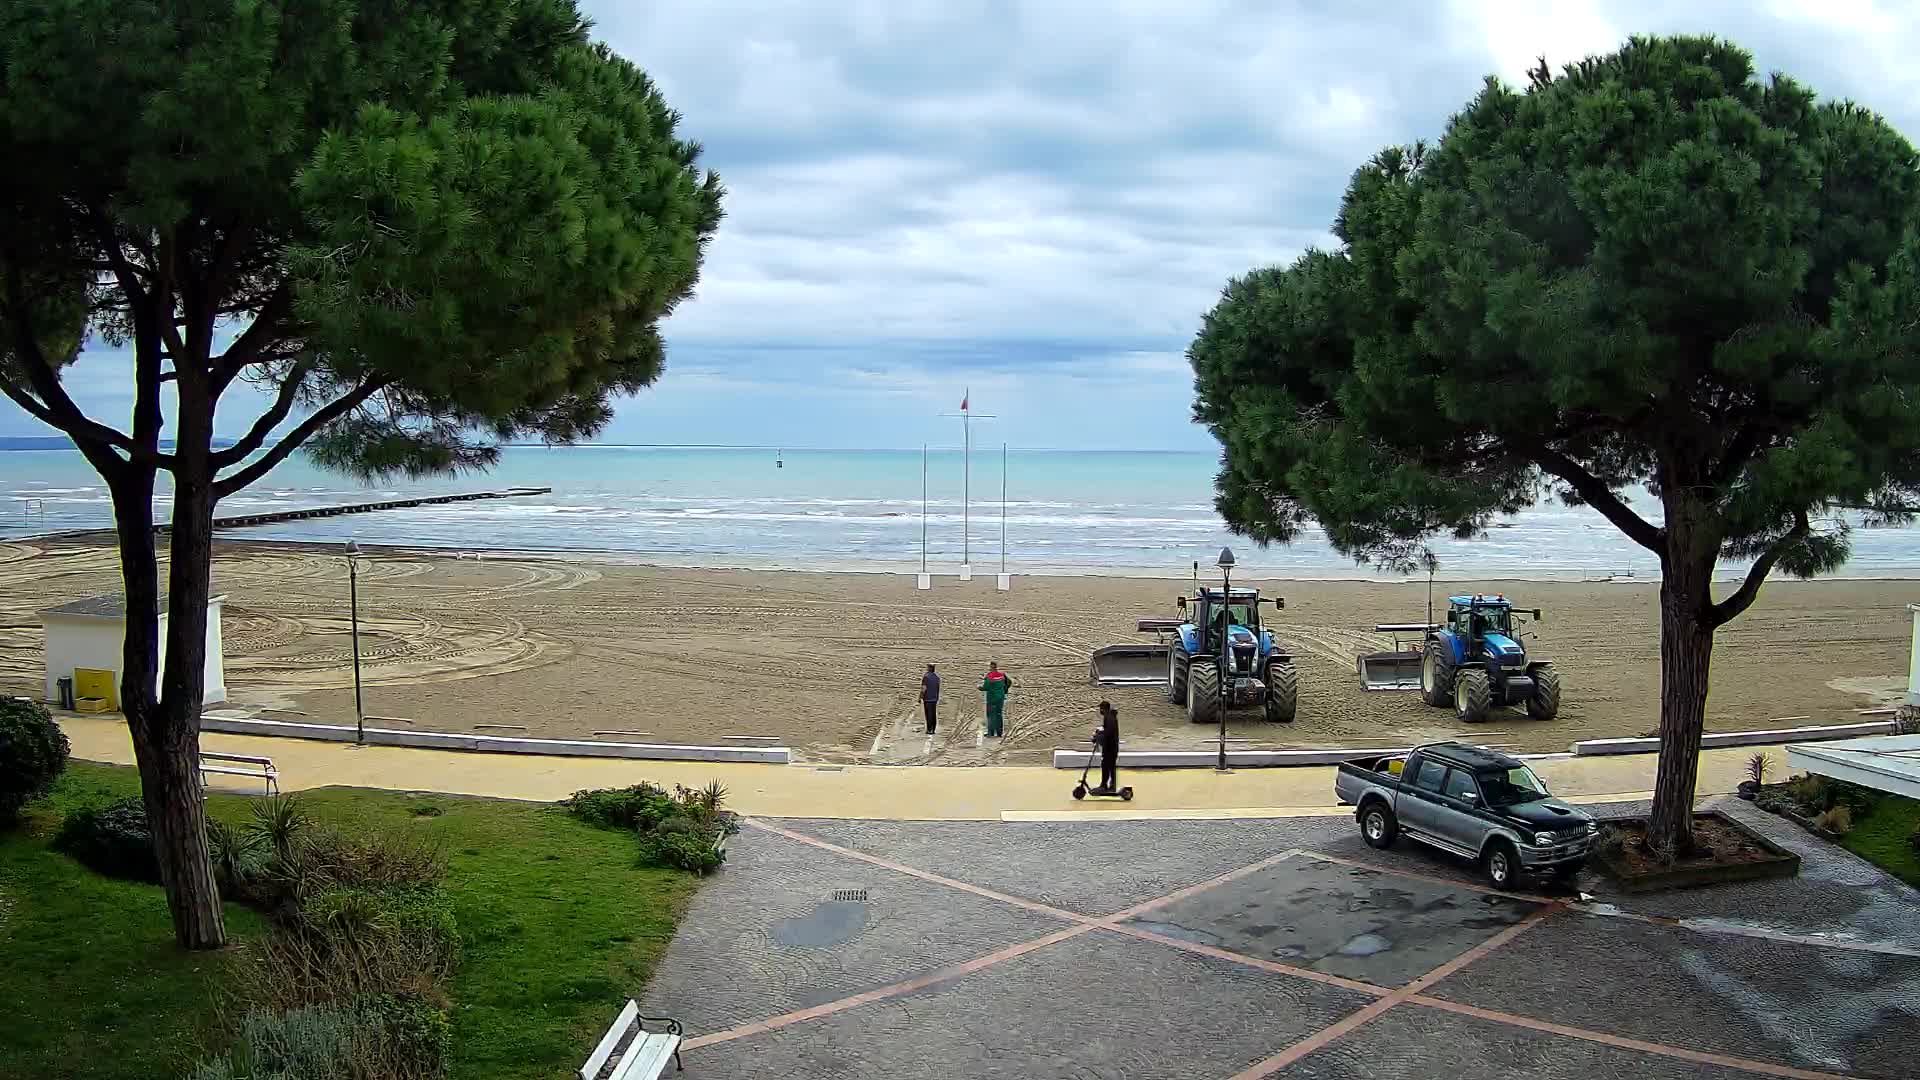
(850, 896)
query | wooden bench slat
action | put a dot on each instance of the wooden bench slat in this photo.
(610, 1040)
(648, 1056)
(252, 759)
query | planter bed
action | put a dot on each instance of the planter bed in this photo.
(1732, 852)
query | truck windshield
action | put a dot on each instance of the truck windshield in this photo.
(1510, 787)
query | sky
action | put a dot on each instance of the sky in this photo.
(1035, 201)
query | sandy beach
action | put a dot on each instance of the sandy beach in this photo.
(830, 663)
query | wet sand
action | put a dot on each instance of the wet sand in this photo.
(830, 663)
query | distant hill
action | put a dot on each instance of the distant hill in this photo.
(61, 442)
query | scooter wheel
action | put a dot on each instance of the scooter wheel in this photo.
(1126, 794)
(1079, 791)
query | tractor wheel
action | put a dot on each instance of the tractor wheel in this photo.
(1203, 691)
(1177, 676)
(1471, 695)
(1436, 676)
(1283, 692)
(1545, 702)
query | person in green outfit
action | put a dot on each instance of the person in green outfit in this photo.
(995, 686)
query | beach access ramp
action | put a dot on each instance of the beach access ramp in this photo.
(1400, 668)
(1144, 664)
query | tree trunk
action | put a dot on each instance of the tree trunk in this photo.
(1686, 655)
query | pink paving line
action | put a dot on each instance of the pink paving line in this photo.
(923, 875)
(1763, 1067)
(978, 963)
(1452, 883)
(1253, 961)
(1379, 1008)
(1082, 924)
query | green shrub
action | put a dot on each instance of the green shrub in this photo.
(238, 859)
(685, 849)
(1837, 820)
(113, 840)
(375, 1037)
(1913, 839)
(33, 751)
(641, 806)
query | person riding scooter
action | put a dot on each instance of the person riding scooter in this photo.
(1107, 738)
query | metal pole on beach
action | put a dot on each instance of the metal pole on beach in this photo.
(353, 607)
(923, 508)
(966, 488)
(1003, 508)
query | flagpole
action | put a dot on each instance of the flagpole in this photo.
(1003, 508)
(923, 508)
(966, 483)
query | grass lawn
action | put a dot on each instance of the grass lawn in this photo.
(1883, 837)
(558, 927)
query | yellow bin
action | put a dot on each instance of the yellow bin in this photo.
(96, 683)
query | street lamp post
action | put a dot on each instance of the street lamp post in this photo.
(1225, 563)
(353, 603)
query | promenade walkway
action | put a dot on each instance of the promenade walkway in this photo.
(906, 793)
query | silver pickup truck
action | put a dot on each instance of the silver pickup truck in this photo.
(1471, 801)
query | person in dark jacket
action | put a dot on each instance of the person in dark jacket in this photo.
(930, 695)
(1106, 738)
(995, 686)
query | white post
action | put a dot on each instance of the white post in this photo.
(925, 580)
(1005, 581)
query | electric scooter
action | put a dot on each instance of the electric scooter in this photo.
(1081, 790)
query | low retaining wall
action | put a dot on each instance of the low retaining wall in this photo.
(500, 744)
(1194, 759)
(1723, 739)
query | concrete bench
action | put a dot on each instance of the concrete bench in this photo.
(247, 765)
(628, 1051)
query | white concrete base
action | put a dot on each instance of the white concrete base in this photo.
(447, 740)
(966, 571)
(1712, 740)
(923, 581)
(1003, 582)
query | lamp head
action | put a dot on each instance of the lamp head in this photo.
(1225, 561)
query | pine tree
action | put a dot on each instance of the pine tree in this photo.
(420, 227)
(1655, 270)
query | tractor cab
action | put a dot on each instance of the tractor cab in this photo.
(1482, 627)
(1214, 613)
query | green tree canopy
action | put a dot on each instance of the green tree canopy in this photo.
(419, 227)
(1654, 269)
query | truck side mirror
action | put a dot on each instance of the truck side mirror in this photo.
(1536, 615)
(1277, 601)
(1180, 602)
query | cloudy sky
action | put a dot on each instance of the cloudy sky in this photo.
(1037, 199)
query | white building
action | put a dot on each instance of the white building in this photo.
(88, 634)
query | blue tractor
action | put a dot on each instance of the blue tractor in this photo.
(1474, 662)
(1223, 628)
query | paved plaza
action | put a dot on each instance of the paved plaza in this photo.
(1282, 947)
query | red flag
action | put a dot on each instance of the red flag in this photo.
(963, 400)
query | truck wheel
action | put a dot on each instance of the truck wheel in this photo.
(1203, 691)
(1177, 676)
(1378, 826)
(1545, 702)
(1436, 677)
(1502, 864)
(1283, 692)
(1471, 696)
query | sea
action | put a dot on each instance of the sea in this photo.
(1131, 513)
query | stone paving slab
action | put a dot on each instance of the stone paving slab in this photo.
(1812, 1007)
(1412, 1043)
(765, 935)
(1095, 1007)
(1360, 924)
(1093, 868)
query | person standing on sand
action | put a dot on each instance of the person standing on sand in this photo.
(995, 686)
(930, 695)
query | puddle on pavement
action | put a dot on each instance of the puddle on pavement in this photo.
(834, 922)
